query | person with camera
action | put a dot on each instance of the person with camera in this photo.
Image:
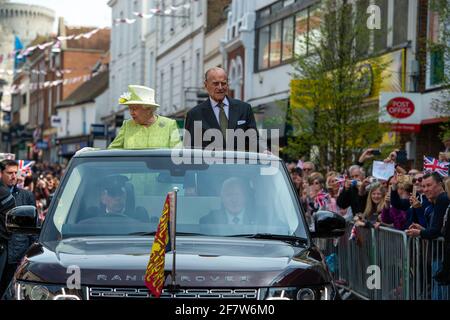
(18, 244)
(45, 188)
(354, 194)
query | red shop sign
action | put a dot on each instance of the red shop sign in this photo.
(400, 108)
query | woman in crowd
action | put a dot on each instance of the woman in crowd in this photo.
(391, 216)
(146, 129)
(371, 216)
(317, 198)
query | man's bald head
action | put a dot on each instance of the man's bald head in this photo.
(215, 70)
(216, 83)
(234, 195)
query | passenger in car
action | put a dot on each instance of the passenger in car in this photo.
(236, 207)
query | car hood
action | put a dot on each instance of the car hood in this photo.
(200, 262)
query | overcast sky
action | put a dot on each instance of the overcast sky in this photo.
(95, 13)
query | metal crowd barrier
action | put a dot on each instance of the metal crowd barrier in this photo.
(406, 265)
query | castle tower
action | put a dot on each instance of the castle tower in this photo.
(26, 22)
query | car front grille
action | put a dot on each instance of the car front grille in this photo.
(133, 293)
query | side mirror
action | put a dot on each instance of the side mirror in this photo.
(24, 220)
(328, 225)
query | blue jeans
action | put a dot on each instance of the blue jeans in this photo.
(439, 292)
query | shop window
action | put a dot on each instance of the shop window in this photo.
(380, 35)
(275, 44)
(277, 6)
(263, 50)
(301, 32)
(400, 25)
(288, 39)
(436, 60)
(437, 67)
(315, 19)
(264, 13)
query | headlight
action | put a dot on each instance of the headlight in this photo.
(312, 293)
(35, 291)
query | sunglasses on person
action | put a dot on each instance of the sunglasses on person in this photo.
(414, 180)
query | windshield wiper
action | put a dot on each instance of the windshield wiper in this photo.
(269, 236)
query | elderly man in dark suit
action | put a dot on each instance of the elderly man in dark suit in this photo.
(216, 121)
(236, 205)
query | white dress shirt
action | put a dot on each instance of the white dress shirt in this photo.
(231, 217)
(216, 109)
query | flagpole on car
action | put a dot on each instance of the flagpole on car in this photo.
(173, 221)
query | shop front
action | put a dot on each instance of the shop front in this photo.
(419, 121)
(68, 147)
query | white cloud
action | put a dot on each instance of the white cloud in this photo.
(94, 13)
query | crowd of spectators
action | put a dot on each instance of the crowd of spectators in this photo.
(413, 201)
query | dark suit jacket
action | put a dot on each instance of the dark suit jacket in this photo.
(19, 243)
(220, 217)
(240, 117)
(139, 214)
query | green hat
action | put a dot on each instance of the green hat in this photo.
(139, 95)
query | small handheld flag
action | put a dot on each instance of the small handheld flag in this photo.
(434, 165)
(154, 276)
(25, 167)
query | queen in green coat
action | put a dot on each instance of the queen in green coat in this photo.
(146, 129)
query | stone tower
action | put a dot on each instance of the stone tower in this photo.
(26, 22)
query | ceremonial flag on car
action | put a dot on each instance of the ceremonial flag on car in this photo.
(25, 166)
(434, 165)
(154, 276)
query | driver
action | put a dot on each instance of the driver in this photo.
(113, 198)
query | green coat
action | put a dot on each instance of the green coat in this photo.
(162, 134)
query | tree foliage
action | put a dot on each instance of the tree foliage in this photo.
(329, 111)
(440, 49)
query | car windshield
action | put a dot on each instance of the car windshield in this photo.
(125, 196)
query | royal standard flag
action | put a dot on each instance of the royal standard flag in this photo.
(154, 276)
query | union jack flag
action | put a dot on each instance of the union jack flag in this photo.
(341, 181)
(25, 166)
(322, 199)
(434, 165)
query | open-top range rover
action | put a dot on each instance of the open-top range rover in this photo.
(241, 232)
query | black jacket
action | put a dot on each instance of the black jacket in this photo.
(19, 243)
(240, 117)
(351, 198)
(434, 214)
(7, 202)
(446, 226)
